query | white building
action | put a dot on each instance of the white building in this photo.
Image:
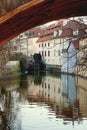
(50, 47)
(25, 43)
(32, 46)
(59, 44)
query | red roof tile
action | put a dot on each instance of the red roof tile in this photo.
(67, 30)
(60, 23)
(45, 38)
(51, 26)
(34, 32)
(81, 33)
(67, 33)
(48, 32)
(73, 24)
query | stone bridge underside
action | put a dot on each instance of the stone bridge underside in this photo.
(17, 16)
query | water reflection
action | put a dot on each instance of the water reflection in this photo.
(43, 102)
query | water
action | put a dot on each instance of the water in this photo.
(43, 102)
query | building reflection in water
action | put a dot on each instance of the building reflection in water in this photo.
(64, 95)
(82, 95)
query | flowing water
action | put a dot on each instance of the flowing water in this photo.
(43, 102)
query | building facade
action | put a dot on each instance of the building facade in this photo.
(59, 45)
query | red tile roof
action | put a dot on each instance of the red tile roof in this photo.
(35, 32)
(48, 32)
(82, 33)
(73, 24)
(51, 26)
(60, 23)
(67, 33)
(67, 30)
(45, 38)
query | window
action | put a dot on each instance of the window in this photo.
(42, 84)
(48, 86)
(45, 53)
(59, 52)
(45, 85)
(60, 32)
(45, 44)
(42, 53)
(75, 32)
(48, 53)
(48, 44)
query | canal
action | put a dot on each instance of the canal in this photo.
(43, 102)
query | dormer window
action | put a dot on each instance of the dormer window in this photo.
(60, 32)
(75, 32)
(65, 22)
(55, 33)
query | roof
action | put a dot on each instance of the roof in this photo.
(46, 38)
(34, 32)
(66, 31)
(60, 23)
(51, 26)
(73, 24)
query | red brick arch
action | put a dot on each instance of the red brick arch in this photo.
(37, 12)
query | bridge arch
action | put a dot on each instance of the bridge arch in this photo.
(21, 15)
